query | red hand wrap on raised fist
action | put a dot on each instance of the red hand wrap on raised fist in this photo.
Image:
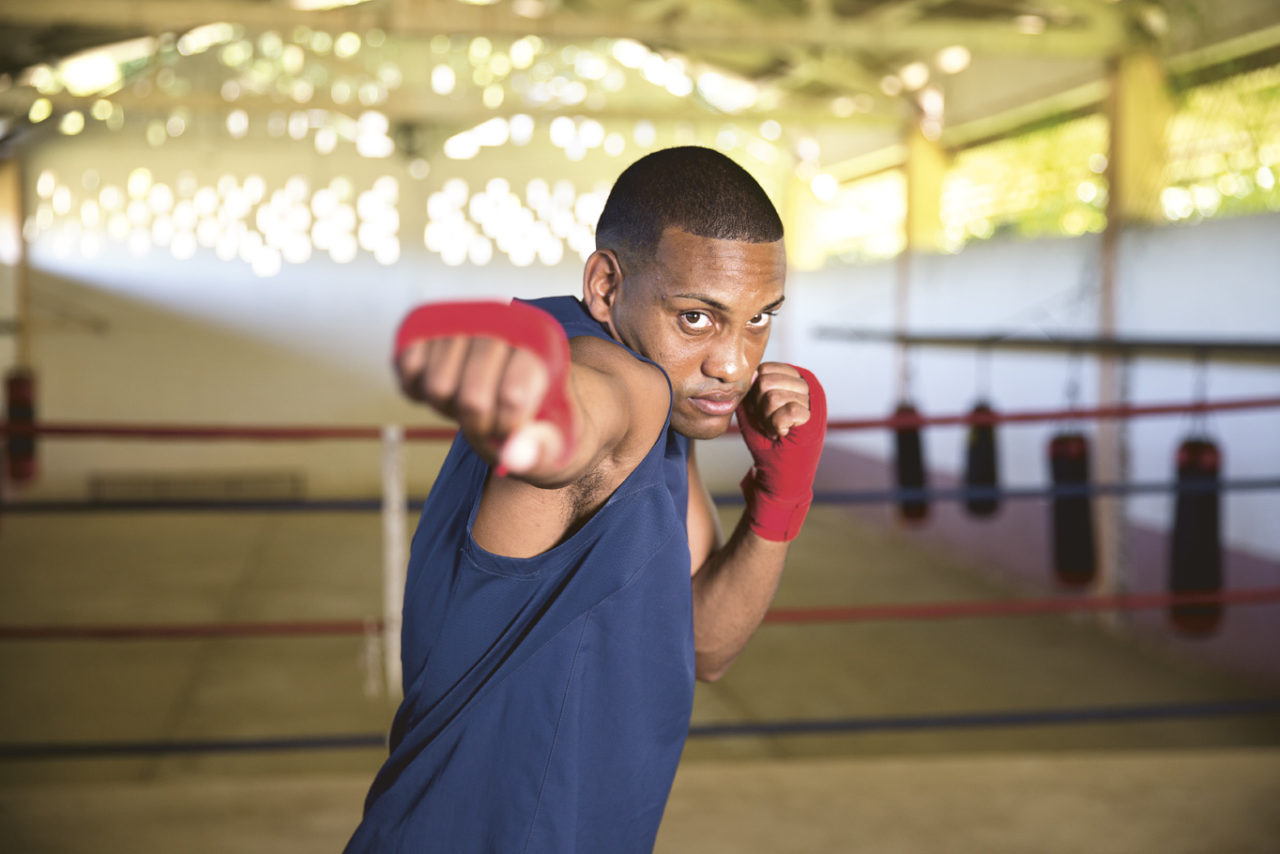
(519, 325)
(779, 488)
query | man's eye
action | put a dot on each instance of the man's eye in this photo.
(695, 319)
(762, 319)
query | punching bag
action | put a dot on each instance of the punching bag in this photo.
(1195, 549)
(909, 462)
(981, 468)
(20, 412)
(1071, 516)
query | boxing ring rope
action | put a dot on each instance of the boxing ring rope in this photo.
(299, 433)
(869, 496)
(393, 436)
(394, 502)
(892, 612)
(1138, 713)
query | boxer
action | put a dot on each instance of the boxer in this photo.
(568, 580)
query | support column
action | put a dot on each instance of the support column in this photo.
(1139, 109)
(394, 554)
(800, 213)
(926, 166)
(1138, 113)
(15, 310)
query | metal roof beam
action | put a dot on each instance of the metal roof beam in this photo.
(1094, 37)
(450, 116)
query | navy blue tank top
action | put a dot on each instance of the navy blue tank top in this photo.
(546, 699)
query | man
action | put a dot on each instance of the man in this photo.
(568, 578)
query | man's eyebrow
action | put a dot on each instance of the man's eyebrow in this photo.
(719, 306)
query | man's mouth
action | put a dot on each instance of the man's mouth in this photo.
(716, 405)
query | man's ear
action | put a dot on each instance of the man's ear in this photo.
(601, 279)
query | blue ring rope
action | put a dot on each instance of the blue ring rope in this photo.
(968, 720)
(877, 496)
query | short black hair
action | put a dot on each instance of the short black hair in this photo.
(694, 189)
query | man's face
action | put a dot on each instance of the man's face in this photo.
(702, 308)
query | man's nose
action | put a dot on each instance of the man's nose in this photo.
(727, 359)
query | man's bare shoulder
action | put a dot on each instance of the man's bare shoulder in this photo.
(614, 360)
(642, 385)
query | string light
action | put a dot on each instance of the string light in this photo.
(287, 222)
(954, 59)
(346, 45)
(41, 109)
(914, 75)
(519, 74)
(824, 186)
(644, 133)
(46, 183)
(61, 200)
(443, 79)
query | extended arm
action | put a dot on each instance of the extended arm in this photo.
(783, 423)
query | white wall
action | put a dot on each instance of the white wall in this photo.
(193, 342)
(1214, 280)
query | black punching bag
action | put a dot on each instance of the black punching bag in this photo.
(1195, 551)
(981, 468)
(20, 412)
(909, 460)
(1071, 520)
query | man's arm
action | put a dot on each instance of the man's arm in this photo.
(733, 586)
(734, 582)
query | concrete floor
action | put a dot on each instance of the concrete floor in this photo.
(1179, 785)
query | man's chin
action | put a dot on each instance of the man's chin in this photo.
(700, 425)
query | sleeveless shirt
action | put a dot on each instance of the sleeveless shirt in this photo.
(546, 699)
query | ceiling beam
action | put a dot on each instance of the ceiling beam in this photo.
(447, 114)
(422, 18)
(898, 14)
(830, 69)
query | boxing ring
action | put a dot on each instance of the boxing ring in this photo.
(377, 633)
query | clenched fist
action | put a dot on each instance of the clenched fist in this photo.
(499, 370)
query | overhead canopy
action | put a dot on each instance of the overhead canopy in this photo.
(852, 71)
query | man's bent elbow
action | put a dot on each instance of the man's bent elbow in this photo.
(708, 668)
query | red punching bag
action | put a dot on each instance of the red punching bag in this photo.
(20, 413)
(1195, 549)
(982, 465)
(1071, 514)
(909, 463)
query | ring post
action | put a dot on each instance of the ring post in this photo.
(394, 501)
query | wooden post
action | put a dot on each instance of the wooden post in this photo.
(13, 253)
(394, 555)
(1138, 112)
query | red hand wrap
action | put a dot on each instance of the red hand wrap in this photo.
(519, 325)
(779, 488)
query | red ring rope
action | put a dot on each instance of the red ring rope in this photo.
(193, 631)
(1017, 607)
(1120, 411)
(841, 614)
(71, 430)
